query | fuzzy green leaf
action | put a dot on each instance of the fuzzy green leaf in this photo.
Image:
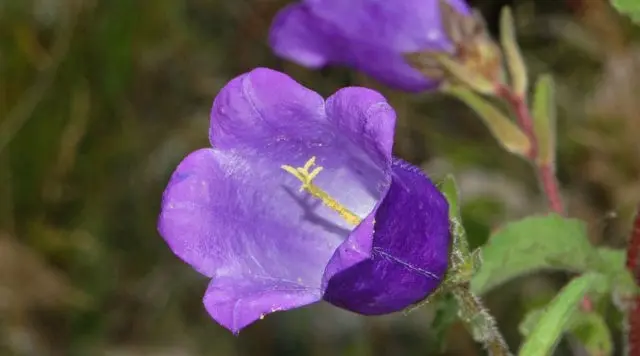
(630, 8)
(535, 243)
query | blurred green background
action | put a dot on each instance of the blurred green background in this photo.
(100, 99)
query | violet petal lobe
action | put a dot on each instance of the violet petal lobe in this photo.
(370, 35)
(297, 35)
(234, 215)
(218, 220)
(401, 25)
(216, 217)
(367, 116)
(235, 300)
(410, 249)
(265, 106)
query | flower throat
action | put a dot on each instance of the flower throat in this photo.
(306, 177)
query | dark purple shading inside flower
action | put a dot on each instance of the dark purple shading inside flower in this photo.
(237, 217)
(370, 35)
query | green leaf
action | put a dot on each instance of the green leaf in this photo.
(590, 328)
(476, 259)
(556, 319)
(502, 128)
(460, 248)
(544, 120)
(611, 262)
(449, 189)
(630, 8)
(529, 322)
(536, 243)
(513, 56)
(592, 331)
(433, 298)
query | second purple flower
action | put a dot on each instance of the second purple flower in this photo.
(370, 35)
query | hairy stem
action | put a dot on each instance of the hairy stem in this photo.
(479, 322)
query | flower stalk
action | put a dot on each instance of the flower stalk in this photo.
(479, 322)
(478, 64)
(539, 127)
(545, 168)
(464, 263)
(471, 310)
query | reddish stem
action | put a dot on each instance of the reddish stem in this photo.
(550, 186)
(633, 251)
(546, 172)
(525, 121)
(633, 330)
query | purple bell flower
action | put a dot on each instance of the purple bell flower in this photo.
(371, 35)
(300, 200)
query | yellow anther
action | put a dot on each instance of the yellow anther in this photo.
(314, 173)
(310, 163)
(306, 177)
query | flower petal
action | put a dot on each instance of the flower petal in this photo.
(217, 217)
(297, 36)
(354, 250)
(391, 68)
(235, 302)
(366, 116)
(264, 106)
(402, 25)
(410, 249)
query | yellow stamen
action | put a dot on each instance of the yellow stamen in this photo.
(306, 177)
